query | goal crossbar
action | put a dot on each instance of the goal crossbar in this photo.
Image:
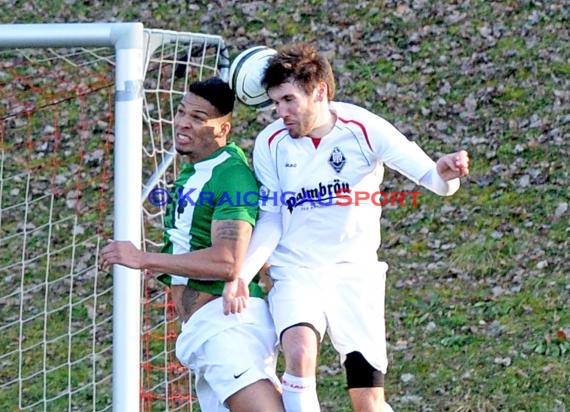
(127, 40)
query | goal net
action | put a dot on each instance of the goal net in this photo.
(59, 349)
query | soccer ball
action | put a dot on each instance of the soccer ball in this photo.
(246, 72)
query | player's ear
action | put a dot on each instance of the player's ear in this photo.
(321, 91)
(225, 128)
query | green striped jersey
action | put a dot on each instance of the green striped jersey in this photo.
(218, 187)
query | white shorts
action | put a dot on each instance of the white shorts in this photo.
(228, 353)
(346, 300)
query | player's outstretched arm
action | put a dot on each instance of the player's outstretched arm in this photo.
(221, 261)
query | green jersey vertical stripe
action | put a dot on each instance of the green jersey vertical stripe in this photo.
(219, 187)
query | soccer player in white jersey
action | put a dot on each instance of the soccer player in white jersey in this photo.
(323, 249)
(208, 227)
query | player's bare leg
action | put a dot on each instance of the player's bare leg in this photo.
(260, 396)
(367, 399)
(300, 348)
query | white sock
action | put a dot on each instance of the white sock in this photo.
(300, 394)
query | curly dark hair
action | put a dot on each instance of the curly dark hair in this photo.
(217, 92)
(299, 63)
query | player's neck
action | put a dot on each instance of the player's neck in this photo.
(326, 124)
(203, 153)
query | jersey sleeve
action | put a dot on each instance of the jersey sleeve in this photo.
(266, 173)
(394, 149)
(236, 194)
(264, 240)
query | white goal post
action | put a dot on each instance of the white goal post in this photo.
(127, 39)
(152, 69)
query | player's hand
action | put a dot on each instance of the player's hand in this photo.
(123, 253)
(453, 165)
(264, 279)
(235, 296)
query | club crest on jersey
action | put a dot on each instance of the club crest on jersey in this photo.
(337, 160)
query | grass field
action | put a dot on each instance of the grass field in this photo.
(478, 295)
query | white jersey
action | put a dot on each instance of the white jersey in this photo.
(306, 182)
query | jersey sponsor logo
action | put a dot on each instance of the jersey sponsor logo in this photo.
(337, 160)
(290, 164)
(322, 195)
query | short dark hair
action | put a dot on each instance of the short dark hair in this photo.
(299, 63)
(217, 92)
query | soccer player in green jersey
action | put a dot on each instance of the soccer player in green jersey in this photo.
(208, 227)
